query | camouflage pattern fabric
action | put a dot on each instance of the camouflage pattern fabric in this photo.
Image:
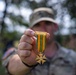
(7, 56)
(63, 63)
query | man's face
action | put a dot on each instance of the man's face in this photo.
(45, 26)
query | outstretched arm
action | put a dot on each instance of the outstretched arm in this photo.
(16, 67)
(26, 53)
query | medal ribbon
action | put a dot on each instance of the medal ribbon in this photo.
(41, 41)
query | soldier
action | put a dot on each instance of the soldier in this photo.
(59, 60)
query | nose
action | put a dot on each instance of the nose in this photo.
(43, 26)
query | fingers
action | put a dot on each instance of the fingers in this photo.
(28, 36)
(29, 32)
(24, 46)
(27, 39)
(24, 53)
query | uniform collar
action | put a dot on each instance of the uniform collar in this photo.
(62, 53)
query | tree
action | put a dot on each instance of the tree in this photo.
(61, 8)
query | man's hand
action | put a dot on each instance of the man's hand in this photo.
(27, 48)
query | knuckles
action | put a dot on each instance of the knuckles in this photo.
(24, 45)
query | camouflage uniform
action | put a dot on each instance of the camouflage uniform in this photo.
(7, 56)
(63, 63)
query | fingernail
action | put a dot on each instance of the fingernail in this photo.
(35, 38)
(48, 35)
(32, 32)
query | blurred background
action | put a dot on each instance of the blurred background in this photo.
(14, 20)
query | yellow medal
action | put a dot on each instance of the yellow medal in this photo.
(41, 42)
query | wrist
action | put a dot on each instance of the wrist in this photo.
(30, 66)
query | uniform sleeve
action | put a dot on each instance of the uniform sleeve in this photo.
(73, 56)
(7, 56)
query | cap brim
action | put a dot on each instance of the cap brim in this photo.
(43, 19)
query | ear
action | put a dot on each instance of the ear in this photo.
(55, 27)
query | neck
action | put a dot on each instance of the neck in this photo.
(51, 50)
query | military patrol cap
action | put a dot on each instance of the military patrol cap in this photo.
(42, 14)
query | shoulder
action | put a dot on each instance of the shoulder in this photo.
(71, 54)
(7, 55)
(9, 52)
